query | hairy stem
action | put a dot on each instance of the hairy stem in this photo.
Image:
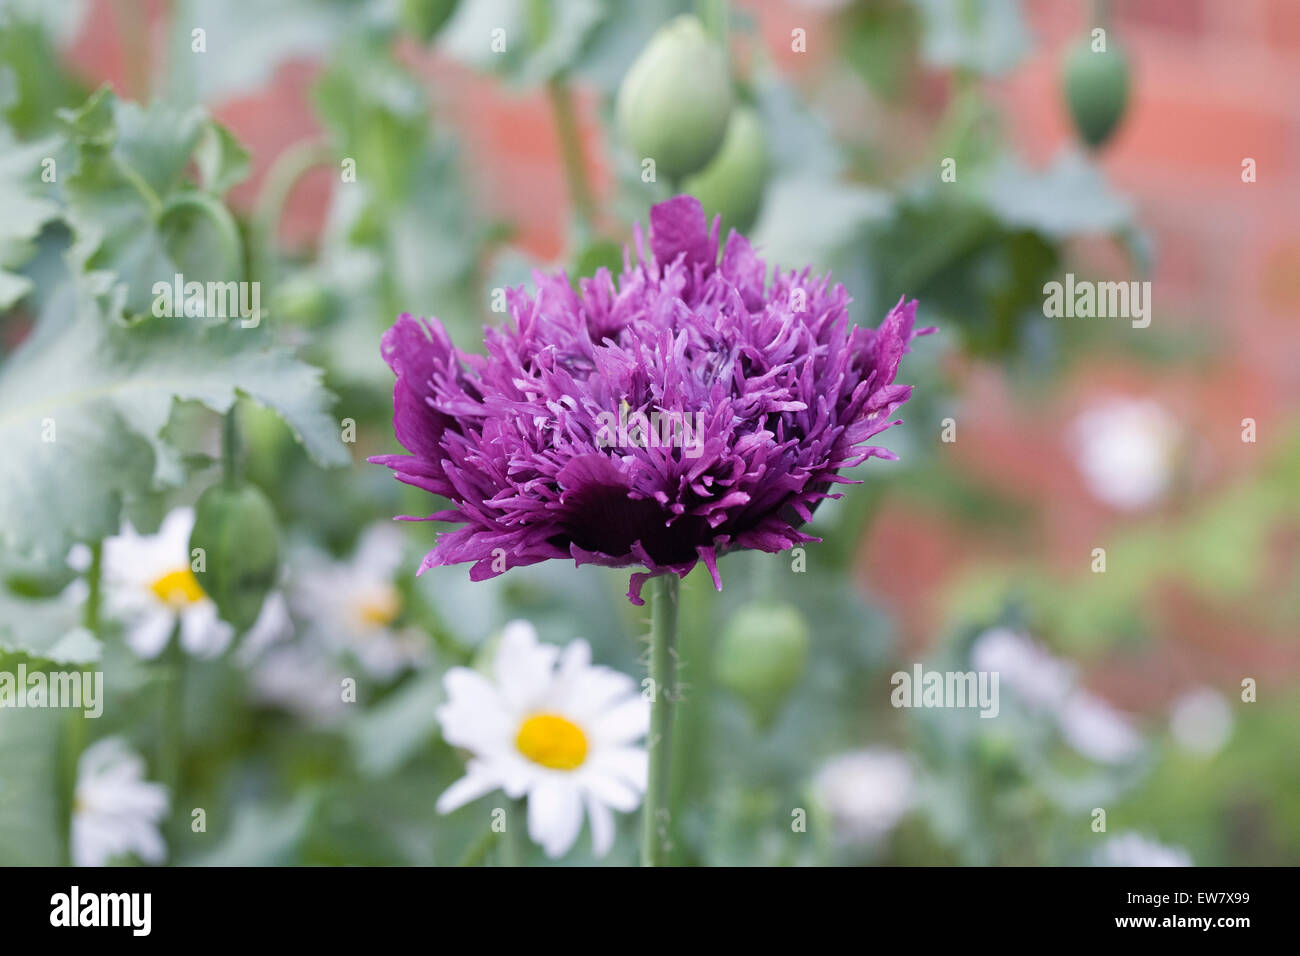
(656, 820)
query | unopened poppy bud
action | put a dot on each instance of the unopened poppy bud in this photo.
(235, 527)
(732, 183)
(1096, 89)
(674, 102)
(761, 656)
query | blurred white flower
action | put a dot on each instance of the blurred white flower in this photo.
(353, 606)
(295, 676)
(1096, 730)
(149, 585)
(116, 811)
(1201, 721)
(1034, 675)
(1133, 849)
(1125, 448)
(866, 792)
(551, 727)
(1048, 684)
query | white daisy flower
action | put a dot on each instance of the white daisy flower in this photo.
(116, 811)
(1049, 685)
(1133, 849)
(149, 585)
(295, 676)
(551, 727)
(866, 792)
(353, 606)
(1097, 730)
(1033, 674)
(1125, 448)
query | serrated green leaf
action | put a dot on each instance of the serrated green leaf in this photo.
(81, 409)
(124, 193)
(26, 205)
(221, 159)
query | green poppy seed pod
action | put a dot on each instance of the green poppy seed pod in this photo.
(761, 656)
(675, 99)
(732, 182)
(1096, 90)
(235, 528)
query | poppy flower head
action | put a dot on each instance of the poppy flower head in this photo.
(690, 408)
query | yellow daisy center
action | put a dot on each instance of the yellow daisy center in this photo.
(178, 588)
(552, 741)
(379, 607)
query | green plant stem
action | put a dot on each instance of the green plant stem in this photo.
(656, 818)
(216, 213)
(172, 743)
(230, 445)
(290, 166)
(512, 843)
(74, 725)
(575, 169)
(716, 16)
(478, 850)
(94, 575)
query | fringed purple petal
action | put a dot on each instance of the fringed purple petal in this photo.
(690, 408)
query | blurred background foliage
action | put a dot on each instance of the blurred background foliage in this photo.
(150, 183)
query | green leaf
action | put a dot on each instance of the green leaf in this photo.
(1070, 197)
(37, 82)
(543, 38)
(124, 195)
(265, 836)
(45, 629)
(387, 735)
(221, 160)
(988, 36)
(29, 826)
(82, 406)
(26, 205)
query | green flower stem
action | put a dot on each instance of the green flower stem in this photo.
(74, 725)
(94, 575)
(575, 170)
(230, 446)
(478, 850)
(172, 743)
(715, 16)
(656, 818)
(290, 166)
(216, 213)
(514, 840)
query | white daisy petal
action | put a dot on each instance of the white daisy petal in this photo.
(147, 635)
(554, 816)
(602, 827)
(203, 633)
(612, 791)
(524, 668)
(476, 782)
(631, 764)
(624, 722)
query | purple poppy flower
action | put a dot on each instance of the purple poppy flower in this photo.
(690, 409)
